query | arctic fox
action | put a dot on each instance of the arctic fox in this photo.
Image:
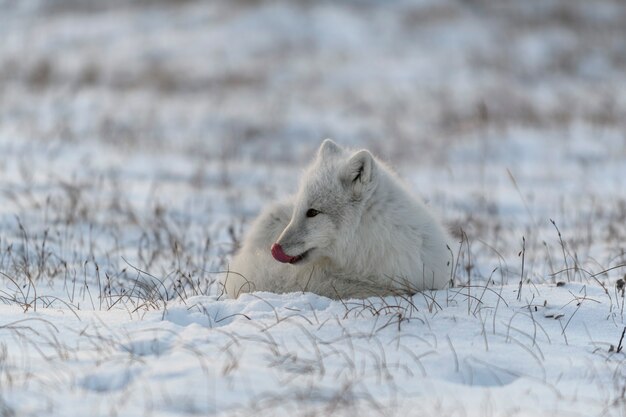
(353, 230)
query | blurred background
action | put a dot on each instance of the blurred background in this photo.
(135, 120)
(228, 78)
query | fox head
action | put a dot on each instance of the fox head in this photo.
(328, 206)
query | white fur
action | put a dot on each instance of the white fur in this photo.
(372, 237)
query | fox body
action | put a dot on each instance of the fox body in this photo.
(353, 230)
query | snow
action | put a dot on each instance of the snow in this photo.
(275, 354)
(138, 141)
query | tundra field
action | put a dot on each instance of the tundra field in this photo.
(139, 139)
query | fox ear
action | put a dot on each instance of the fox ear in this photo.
(328, 147)
(358, 172)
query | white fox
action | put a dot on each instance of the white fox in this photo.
(353, 230)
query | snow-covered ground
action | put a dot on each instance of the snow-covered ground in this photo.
(138, 139)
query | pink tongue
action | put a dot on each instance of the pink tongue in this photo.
(280, 255)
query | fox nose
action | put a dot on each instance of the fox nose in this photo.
(279, 254)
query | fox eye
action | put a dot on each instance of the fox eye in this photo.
(312, 212)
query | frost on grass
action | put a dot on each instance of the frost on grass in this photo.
(138, 141)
